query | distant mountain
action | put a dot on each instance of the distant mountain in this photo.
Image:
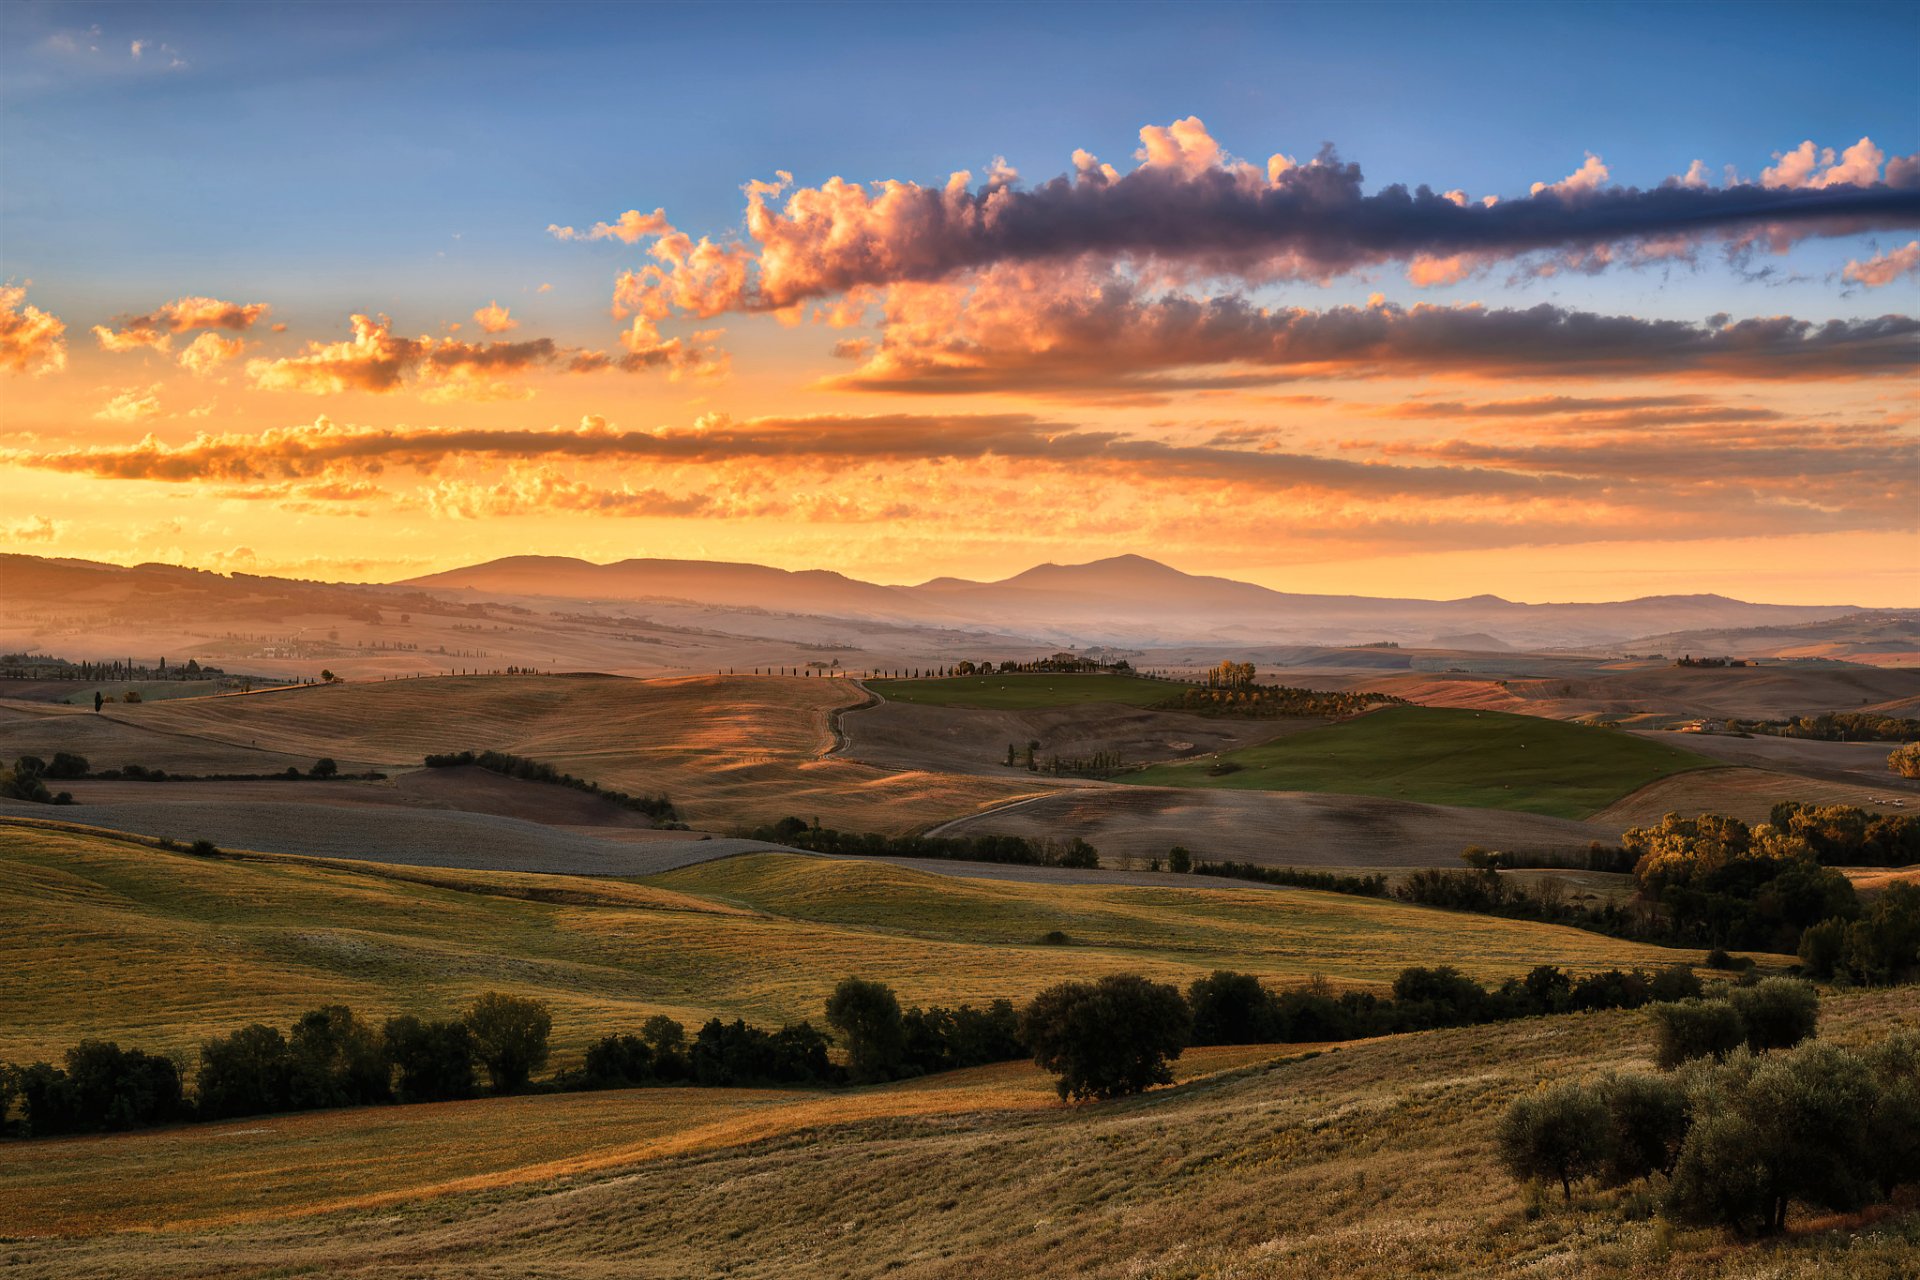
(1127, 601)
(712, 582)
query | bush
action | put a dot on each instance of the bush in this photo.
(324, 767)
(667, 1040)
(509, 1037)
(1107, 1038)
(1675, 982)
(432, 1061)
(867, 1017)
(617, 1061)
(1688, 1029)
(103, 1087)
(67, 765)
(1179, 859)
(1557, 1135)
(1779, 1013)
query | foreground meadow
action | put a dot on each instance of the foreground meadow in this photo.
(1371, 1160)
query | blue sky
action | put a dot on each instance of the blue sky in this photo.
(339, 149)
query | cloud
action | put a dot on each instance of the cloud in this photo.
(32, 529)
(1805, 169)
(494, 318)
(1101, 336)
(131, 405)
(206, 353)
(155, 329)
(30, 339)
(627, 228)
(1885, 268)
(1191, 211)
(377, 360)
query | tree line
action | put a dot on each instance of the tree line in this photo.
(1750, 1118)
(1834, 726)
(1268, 702)
(512, 766)
(1018, 850)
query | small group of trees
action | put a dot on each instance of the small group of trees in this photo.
(1734, 1138)
(328, 1057)
(1019, 850)
(1835, 726)
(27, 778)
(1881, 946)
(508, 765)
(1267, 702)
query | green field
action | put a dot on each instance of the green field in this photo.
(110, 937)
(1439, 755)
(1026, 692)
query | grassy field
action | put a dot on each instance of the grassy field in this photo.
(1370, 1161)
(105, 936)
(731, 751)
(1026, 692)
(1450, 756)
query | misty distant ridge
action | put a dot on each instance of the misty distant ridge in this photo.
(1126, 599)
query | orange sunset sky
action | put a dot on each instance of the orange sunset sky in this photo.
(374, 301)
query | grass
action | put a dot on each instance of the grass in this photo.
(105, 936)
(1370, 1161)
(1026, 692)
(1475, 759)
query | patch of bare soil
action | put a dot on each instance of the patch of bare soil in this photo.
(1275, 828)
(1864, 763)
(1744, 793)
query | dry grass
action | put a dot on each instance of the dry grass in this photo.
(731, 751)
(111, 938)
(1747, 794)
(1369, 1162)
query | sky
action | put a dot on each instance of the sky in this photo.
(1557, 302)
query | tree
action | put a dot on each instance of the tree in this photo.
(867, 1017)
(1687, 1029)
(509, 1037)
(616, 1061)
(668, 1041)
(98, 699)
(1647, 1123)
(337, 1061)
(1559, 1134)
(1107, 1038)
(247, 1073)
(1179, 859)
(1232, 1008)
(1778, 1013)
(1772, 1131)
(432, 1061)
(1823, 947)
(324, 767)
(1905, 760)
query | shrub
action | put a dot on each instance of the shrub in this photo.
(1688, 1029)
(1779, 1013)
(432, 1061)
(1675, 982)
(1559, 1134)
(247, 1073)
(1106, 1038)
(1179, 859)
(67, 765)
(1823, 947)
(509, 1037)
(867, 1017)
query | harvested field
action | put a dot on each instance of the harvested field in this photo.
(1747, 794)
(193, 1176)
(1364, 1162)
(1027, 691)
(1863, 763)
(123, 735)
(1276, 828)
(899, 735)
(106, 937)
(731, 751)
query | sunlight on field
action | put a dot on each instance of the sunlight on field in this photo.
(1446, 756)
(731, 751)
(112, 938)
